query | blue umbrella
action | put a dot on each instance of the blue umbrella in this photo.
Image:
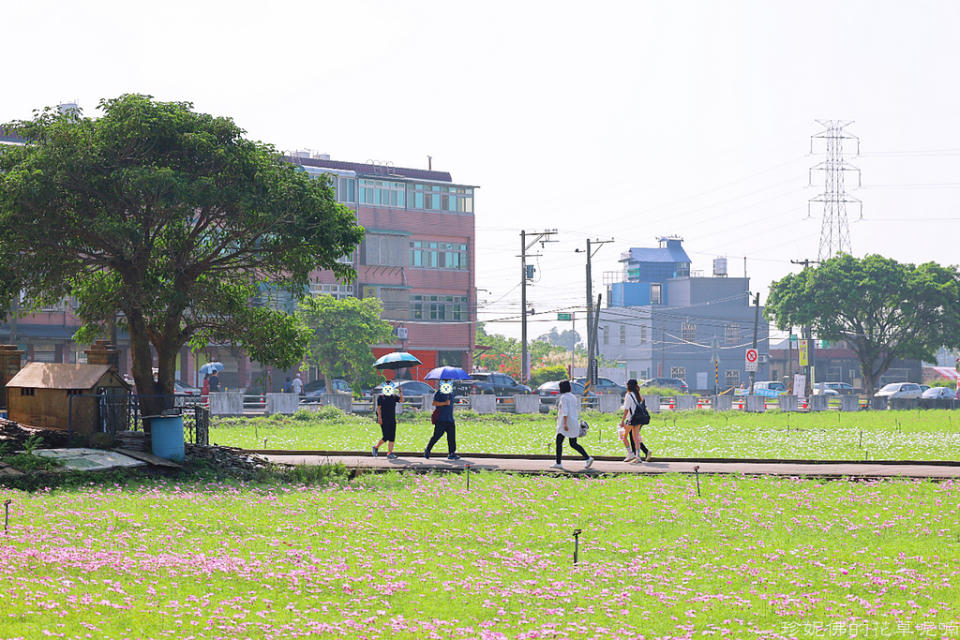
(210, 367)
(447, 373)
(396, 360)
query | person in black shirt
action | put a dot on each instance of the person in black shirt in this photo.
(214, 382)
(387, 418)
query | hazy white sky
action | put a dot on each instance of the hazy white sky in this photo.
(602, 119)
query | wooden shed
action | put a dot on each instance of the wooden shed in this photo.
(65, 396)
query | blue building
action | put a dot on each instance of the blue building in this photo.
(664, 319)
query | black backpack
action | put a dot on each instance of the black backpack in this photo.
(640, 415)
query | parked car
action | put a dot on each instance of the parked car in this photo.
(821, 389)
(605, 385)
(549, 392)
(318, 388)
(769, 388)
(502, 384)
(940, 393)
(410, 388)
(899, 390)
(473, 387)
(671, 383)
(184, 389)
(842, 388)
(924, 387)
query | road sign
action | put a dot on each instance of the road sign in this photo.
(751, 360)
(565, 316)
(803, 354)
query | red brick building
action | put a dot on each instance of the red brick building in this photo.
(418, 258)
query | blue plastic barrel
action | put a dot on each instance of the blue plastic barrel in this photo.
(166, 437)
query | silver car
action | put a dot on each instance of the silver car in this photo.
(899, 390)
(940, 393)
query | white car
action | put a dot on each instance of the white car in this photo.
(940, 393)
(899, 390)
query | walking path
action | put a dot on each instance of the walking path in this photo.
(541, 464)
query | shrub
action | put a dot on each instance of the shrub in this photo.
(303, 415)
(329, 412)
(546, 374)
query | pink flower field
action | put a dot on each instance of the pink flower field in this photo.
(422, 557)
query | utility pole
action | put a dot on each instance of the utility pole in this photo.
(756, 326)
(806, 333)
(542, 237)
(591, 321)
(834, 228)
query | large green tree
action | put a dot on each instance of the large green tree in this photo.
(341, 334)
(883, 309)
(170, 217)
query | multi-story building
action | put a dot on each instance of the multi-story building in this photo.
(417, 257)
(664, 320)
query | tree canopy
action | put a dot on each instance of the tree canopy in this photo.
(882, 308)
(170, 217)
(340, 338)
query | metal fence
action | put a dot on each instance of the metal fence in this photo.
(115, 412)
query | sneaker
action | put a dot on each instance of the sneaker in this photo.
(557, 466)
(649, 455)
(374, 451)
(630, 458)
(426, 454)
(637, 460)
(587, 464)
(391, 456)
(453, 456)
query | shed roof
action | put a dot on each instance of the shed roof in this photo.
(45, 375)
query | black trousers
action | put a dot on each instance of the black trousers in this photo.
(573, 443)
(633, 446)
(450, 428)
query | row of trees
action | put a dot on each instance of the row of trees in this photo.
(881, 308)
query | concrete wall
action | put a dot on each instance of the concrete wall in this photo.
(526, 403)
(788, 403)
(849, 403)
(878, 403)
(338, 400)
(226, 403)
(686, 403)
(484, 403)
(819, 403)
(610, 403)
(285, 403)
(653, 403)
(756, 404)
(723, 403)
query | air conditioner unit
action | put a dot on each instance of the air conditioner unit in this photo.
(402, 333)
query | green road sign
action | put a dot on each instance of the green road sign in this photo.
(565, 316)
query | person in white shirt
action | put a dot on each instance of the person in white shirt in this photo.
(568, 424)
(630, 424)
(297, 385)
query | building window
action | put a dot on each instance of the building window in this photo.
(606, 335)
(731, 334)
(688, 332)
(440, 198)
(27, 392)
(346, 189)
(438, 255)
(731, 378)
(338, 291)
(643, 334)
(439, 308)
(656, 292)
(383, 193)
(623, 334)
(385, 250)
(679, 372)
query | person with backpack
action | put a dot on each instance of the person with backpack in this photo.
(568, 424)
(635, 415)
(442, 418)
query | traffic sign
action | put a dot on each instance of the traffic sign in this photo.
(564, 316)
(751, 360)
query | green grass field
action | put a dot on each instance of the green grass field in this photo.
(422, 557)
(873, 435)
